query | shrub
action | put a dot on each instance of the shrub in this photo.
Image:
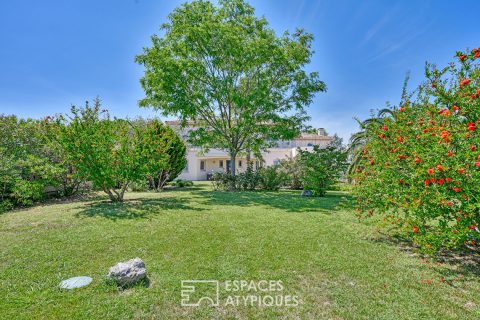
(272, 178)
(25, 192)
(5, 205)
(29, 156)
(321, 168)
(223, 181)
(293, 170)
(247, 180)
(163, 152)
(420, 168)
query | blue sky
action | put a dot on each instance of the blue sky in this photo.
(57, 53)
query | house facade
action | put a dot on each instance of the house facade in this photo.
(200, 166)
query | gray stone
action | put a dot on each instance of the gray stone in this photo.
(75, 282)
(128, 273)
(307, 193)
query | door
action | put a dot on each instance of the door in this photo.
(229, 166)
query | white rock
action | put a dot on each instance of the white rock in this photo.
(128, 273)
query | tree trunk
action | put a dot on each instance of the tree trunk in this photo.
(122, 192)
(163, 180)
(110, 194)
(232, 164)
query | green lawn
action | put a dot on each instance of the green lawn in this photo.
(338, 268)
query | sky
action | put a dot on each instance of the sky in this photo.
(57, 53)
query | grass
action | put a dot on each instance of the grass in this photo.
(338, 268)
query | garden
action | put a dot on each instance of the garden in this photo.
(384, 226)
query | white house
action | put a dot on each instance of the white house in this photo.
(199, 165)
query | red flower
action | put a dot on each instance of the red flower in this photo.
(462, 58)
(472, 148)
(427, 182)
(430, 171)
(440, 181)
(472, 227)
(400, 139)
(401, 109)
(440, 167)
(464, 82)
(449, 179)
(455, 108)
(384, 127)
(434, 85)
(417, 160)
(371, 162)
(415, 229)
(450, 203)
(450, 154)
(461, 170)
(477, 164)
(409, 122)
(471, 126)
(457, 189)
(476, 52)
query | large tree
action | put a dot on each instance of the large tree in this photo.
(226, 69)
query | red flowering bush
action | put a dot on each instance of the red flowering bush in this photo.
(420, 167)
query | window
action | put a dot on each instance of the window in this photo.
(240, 163)
(310, 145)
(202, 165)
(220, 163)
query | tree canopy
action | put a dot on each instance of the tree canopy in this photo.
(226, 69)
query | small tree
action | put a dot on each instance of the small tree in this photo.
(66, 181)
(226, 70)
(163, 153)
(322, 167)
(103, 151)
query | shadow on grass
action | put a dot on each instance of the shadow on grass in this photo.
(143, 283)
(453, 265)
(134, 208)
(287, 200)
